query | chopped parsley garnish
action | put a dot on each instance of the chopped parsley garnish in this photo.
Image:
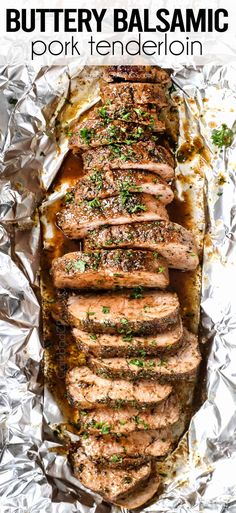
(222, 136)
(95, 203)
(137, 362)
(80, 265)
(116, 458)
(127, 338)
(105, 309)
(137, 208)
(125, 114)
(97, 180)
(162, 363)
(142, 352)
(86, 134)
(69, 197)
(76, 265)
(161, 269)
(103, 114)
(105, 430)
(93, 336)
(137, 293)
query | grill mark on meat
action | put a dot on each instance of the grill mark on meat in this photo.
(112, 182)
(134, 94)
(155, 312)
(136, 74)
(109, 269)
(75, 220)
(129, 419)
(88, 391)
(170, 240)
(110, 483)
(129, 450)
(141, 155)
(182, 365)
(117, 345)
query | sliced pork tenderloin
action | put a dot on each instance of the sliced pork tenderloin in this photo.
(75, 220)
(155, 312)
(88, 391)
(110, 269)
(170, 240)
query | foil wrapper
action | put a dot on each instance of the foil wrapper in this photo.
(34, 477)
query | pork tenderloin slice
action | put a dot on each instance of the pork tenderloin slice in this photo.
(105, 183)
(144, 115)
(132, 449)
(134, 94)
(143, 494)
(136, 74)
(182, 365)
(107, 346)
(108, 269)
(129, 419)
(170, 240)
(141, 155)
(88, 391)
(155, 312)
(111, 483)
(92, 133)
(75, 220)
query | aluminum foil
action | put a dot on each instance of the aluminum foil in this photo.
(33, 476)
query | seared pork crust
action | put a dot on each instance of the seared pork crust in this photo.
(76, 219)
(110, 269)
(141, 155)
(134, 94)
(110, 483)
(136, 74)
(183, 364)
(129, 450)
(129, 419)
(105, 183)
(88, 391)
(155, 312)
(94, 133)
(170, 240)
(118, 345)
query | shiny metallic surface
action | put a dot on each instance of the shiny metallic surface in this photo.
(200, 475)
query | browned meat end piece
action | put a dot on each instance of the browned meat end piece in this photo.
(111, 483)
(134, 94)
(93, 133)
(136, 74)
(129, 419)
(76, 219)
(108, 269)
(128, 345)
(144, 493)
(170, 240)
(182, 365)
(87, 390)
(155, 312)
(129, 450)
(141, 155)
(112, 182)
